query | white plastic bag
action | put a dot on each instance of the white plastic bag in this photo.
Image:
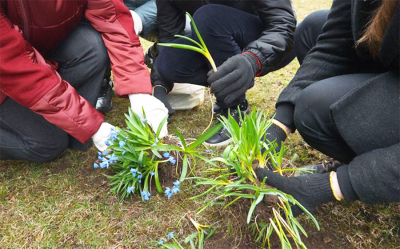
(186, 96)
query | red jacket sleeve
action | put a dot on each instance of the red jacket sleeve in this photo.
(29, 80)
(114, 21)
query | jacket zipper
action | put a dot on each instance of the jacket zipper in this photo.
(25, 19)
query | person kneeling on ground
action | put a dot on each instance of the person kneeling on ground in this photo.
(344, 101)
(144, 14)
(245, 38)
(51, 66)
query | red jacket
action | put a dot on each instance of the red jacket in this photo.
(29, 28)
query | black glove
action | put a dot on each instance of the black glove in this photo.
(151, 55)
(233, 77)
(276, 133)
(310, 190)
(161, 89)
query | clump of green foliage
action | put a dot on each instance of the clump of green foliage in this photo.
(237, 180)
(136, 153)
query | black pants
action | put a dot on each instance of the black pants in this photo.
(312, 116)
(83, 62)
(225, 30)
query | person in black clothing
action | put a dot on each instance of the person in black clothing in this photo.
(245, 38)
(344, 101)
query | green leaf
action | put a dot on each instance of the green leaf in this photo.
(204, 193)
(177, 133)
(209, 133)
(253, 206)
(183, 46)
(160, 126)
(191, 40)
(184, 168)
(212, 232)
(157, 181)
(197, 32)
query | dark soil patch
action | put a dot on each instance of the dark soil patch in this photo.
(219, 241)
(59, 167)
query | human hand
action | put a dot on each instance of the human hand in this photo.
(154, 109)
(277, 132)
(233, 77)
(311, 190)
(102, 135)
(151, 54)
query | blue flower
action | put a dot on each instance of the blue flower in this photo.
(113, 135)
(208, 151)
(104, 164)
(99, 153)
(107, 143)
(172, 160)
(166, 155)
(121, 144)
(130, 189)
(175, 190)
(146, 195)
(170, 235)
(123, 152)
(254, 197)
(176, 183)
(160, 242)
(168, 192)
(113, 158)
(105, 153)
(134, 171)
(139, 177)
(96, 165)
(152, 173)
(155, 142)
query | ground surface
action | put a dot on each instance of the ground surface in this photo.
(66, 203)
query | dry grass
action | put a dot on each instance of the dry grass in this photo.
(66, 203)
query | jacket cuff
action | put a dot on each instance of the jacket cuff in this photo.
(255, 63)
(345, 184)
(285, 114)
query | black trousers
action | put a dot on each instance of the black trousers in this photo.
(312, 115)
(225, 30)
(83, 62)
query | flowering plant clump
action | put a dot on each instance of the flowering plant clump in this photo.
(237, 180)
(136, 153)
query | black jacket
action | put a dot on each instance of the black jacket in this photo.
(375, 135)
(277, 17)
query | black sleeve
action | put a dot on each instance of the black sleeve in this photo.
(171, 20)
(333, 55)
(276, 41)
(374, 177)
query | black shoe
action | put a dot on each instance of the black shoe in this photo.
(104, 101)
(324, 167)
(222, 138)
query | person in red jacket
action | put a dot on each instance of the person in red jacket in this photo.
(53, 56)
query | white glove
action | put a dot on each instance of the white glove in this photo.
(154, 109)
(102, 135)
(137, 22)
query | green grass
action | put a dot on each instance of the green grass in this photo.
(66, 203)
